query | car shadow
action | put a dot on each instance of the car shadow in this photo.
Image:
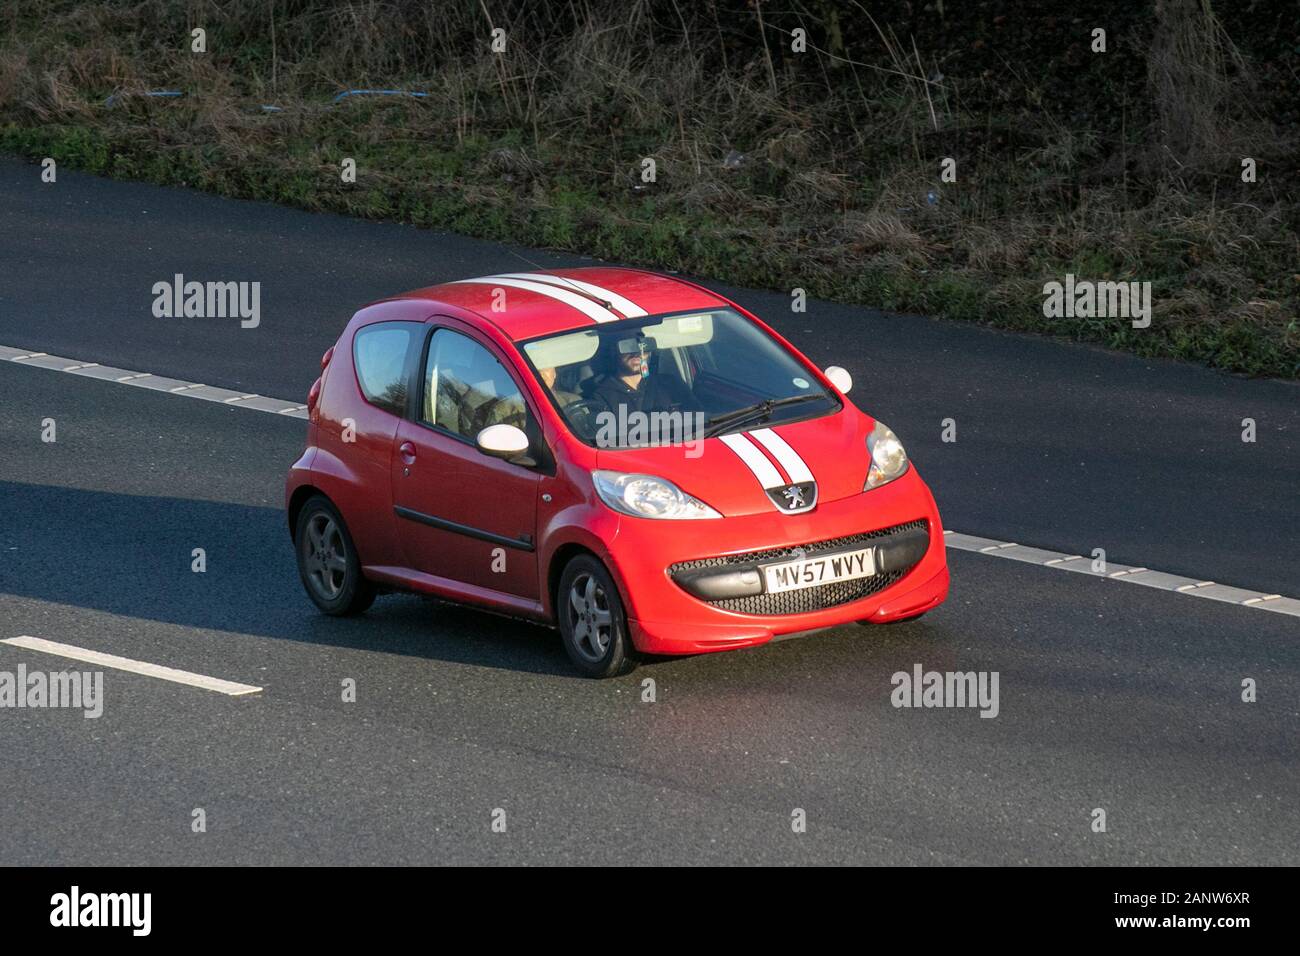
(131, 555)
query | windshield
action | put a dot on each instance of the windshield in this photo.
(673, 379)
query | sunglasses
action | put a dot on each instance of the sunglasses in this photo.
(632, 346)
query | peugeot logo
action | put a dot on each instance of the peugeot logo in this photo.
(794, 498)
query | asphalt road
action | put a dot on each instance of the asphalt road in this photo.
(1112, 696)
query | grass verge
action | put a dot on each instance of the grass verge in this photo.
(819, 170)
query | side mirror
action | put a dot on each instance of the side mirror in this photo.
(502, 441)
(839, 377)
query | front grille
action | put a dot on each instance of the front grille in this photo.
(806, 599)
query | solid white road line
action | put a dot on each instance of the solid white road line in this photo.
(230, 688)
(757, 462)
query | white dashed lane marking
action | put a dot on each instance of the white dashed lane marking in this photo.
(1146, 577)
(230, 688)
(962, 542)
(157, 383)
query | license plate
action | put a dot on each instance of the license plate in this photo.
(826, 569)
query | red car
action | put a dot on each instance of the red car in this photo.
(623, 455)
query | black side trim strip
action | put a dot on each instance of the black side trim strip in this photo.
(523, 543)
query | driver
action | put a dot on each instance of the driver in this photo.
(632, 384)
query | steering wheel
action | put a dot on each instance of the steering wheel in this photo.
(582, 415)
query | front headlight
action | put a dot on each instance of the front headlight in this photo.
(888, 459)
(645, 496)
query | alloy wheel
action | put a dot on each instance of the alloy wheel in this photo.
(590, 618)
(325, 556)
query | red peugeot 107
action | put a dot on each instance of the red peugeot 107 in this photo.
(623, 455)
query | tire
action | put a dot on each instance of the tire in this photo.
(327, 560)
(592, 623)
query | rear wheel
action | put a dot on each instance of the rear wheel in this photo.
(327, 560)
(592, 623)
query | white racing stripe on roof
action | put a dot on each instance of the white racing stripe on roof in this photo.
(754, 460)
(624, 305)
(573, 299)
(786, 456)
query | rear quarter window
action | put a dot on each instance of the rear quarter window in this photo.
(382, 354)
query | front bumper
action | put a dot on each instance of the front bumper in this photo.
(698, 588)
(737, 582)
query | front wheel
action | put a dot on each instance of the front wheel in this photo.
(327, 561)
(592, 624)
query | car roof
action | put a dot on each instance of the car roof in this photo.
(536, 303)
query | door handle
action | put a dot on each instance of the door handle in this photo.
(407, 451)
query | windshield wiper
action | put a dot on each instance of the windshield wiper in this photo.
(755, 412)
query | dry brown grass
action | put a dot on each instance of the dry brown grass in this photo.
(840, 150)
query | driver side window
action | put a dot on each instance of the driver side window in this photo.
(466, 389)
